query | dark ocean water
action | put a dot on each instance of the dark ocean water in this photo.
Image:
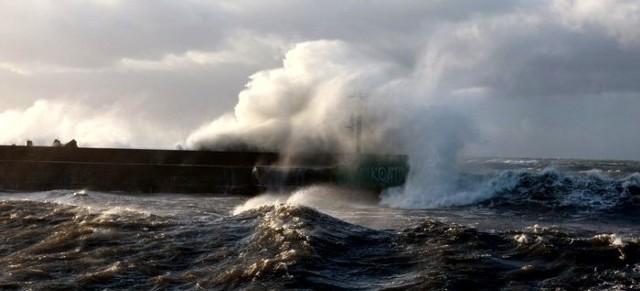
(541, 224)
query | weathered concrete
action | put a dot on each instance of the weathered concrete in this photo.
(174, 171)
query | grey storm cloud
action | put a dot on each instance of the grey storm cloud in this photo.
(536, 78)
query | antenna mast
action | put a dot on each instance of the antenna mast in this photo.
(356, 120)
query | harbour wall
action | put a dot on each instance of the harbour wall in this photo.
(177, 171)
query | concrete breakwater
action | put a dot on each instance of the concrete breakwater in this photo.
(31, 168)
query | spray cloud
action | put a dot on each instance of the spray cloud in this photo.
(306, 105)
(303, 106)
(46, 120)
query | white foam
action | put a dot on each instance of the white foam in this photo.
(321, 197)
(613, 239)
(259, 201)
(521, 238)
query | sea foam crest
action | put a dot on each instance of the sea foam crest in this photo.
(549, 187)
(553, 188)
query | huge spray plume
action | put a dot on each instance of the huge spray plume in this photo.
(307, 105)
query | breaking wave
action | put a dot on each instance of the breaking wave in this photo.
(551, 188)
(290, 246)
(548, 188)
(539, 227)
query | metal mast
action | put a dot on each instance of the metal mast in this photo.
(356, 120)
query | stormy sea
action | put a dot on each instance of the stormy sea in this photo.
(533, 224)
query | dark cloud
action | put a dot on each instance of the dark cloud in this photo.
(97, 33)
(529, 74)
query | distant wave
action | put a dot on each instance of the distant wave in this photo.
(523, 188)
(551, 188)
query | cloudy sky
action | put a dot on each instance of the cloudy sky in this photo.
(514, 78)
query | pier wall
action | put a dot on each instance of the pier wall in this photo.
(172, 171)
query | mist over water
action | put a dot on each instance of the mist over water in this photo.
(438, 137)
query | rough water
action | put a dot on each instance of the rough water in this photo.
(541, 224)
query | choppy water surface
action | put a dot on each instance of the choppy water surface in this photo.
(543, 224)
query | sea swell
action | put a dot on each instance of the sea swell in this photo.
(529, 189)
(55, 246)
(553, 189)
(538, 227)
